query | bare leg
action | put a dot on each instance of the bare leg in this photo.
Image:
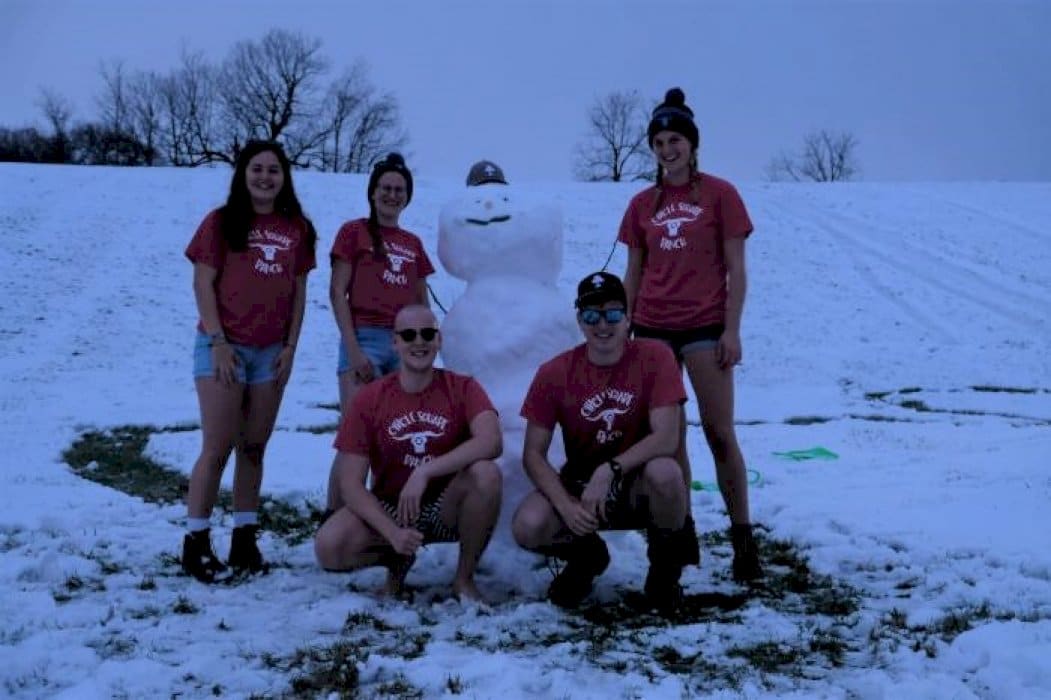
(220, 422)
(683, 458)
(261, 405)
(536, 524)
(348, 388)
(714, 388)
(345, 542)
(659, 487)
(472, 503)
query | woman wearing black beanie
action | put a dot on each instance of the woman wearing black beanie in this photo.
(686, 284)
(377, 268)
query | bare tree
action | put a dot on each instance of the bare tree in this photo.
(57, 111)
(188, 112)
(615, 148)
(113, 100)
(267, 85)
(826, 156)
(145, 108)
(362, 125)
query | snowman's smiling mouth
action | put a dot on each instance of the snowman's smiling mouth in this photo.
(495, 220)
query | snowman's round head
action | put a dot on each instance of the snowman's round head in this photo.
(494, 229)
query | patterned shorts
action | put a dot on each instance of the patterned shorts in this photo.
(429, 523)
(620, 513)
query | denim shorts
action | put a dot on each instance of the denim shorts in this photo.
(683, 342)
(378, 346)
(255, 366)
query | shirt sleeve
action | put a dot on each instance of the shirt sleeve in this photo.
(733, 217)
(206, 246)
(345, 245)
(668, 389)
(423, 263)
(631, 232)
(539, 406)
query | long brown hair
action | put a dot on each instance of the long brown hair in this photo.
(695, 184)
(237, 215)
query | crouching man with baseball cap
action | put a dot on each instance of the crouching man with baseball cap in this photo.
(617, 402)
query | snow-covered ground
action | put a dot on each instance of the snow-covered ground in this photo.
(904, 327)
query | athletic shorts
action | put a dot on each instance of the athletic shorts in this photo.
(683, 342)
(620, 513)
(429, 523)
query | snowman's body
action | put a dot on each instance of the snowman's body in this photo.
(511, 317)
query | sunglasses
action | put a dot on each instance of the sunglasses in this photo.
(591, 317)
(409, 334)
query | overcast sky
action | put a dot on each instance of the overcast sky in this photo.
(933, 89)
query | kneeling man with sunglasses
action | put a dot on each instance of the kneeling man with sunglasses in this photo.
(429, 437)
(617, 402)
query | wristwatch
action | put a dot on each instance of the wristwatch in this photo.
(614, 466)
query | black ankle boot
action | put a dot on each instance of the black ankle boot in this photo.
(666, 555)
(746, 566)
(245, 556)
(586, 557)
(689, 544)
(198, 559)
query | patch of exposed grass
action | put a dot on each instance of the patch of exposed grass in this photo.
(806, 420)
(916, 405)
(114, 646)
(771, 657)
(454, 684)
(115, 458)
(325, 671)
(146, 613)
(184, 606)
(894, 631)
(875, 418)
(322, 429)
(75, 585)
(1004, 389)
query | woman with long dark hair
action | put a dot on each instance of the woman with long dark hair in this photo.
(686, 283)
(250, 263)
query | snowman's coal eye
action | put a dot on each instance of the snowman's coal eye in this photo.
(505, 199)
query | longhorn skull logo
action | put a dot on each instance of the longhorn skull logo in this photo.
(418, 440)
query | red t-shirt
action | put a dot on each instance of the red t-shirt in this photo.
(255, 287)
(399, 431)
(380, 288)
(603, 410)
(684, 273)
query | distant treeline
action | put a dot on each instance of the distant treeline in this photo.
(276, 88)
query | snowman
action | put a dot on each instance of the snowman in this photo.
(511, 317)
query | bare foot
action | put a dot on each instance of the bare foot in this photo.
(466, 591)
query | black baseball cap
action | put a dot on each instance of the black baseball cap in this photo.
(485, 171)
(599, 288)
